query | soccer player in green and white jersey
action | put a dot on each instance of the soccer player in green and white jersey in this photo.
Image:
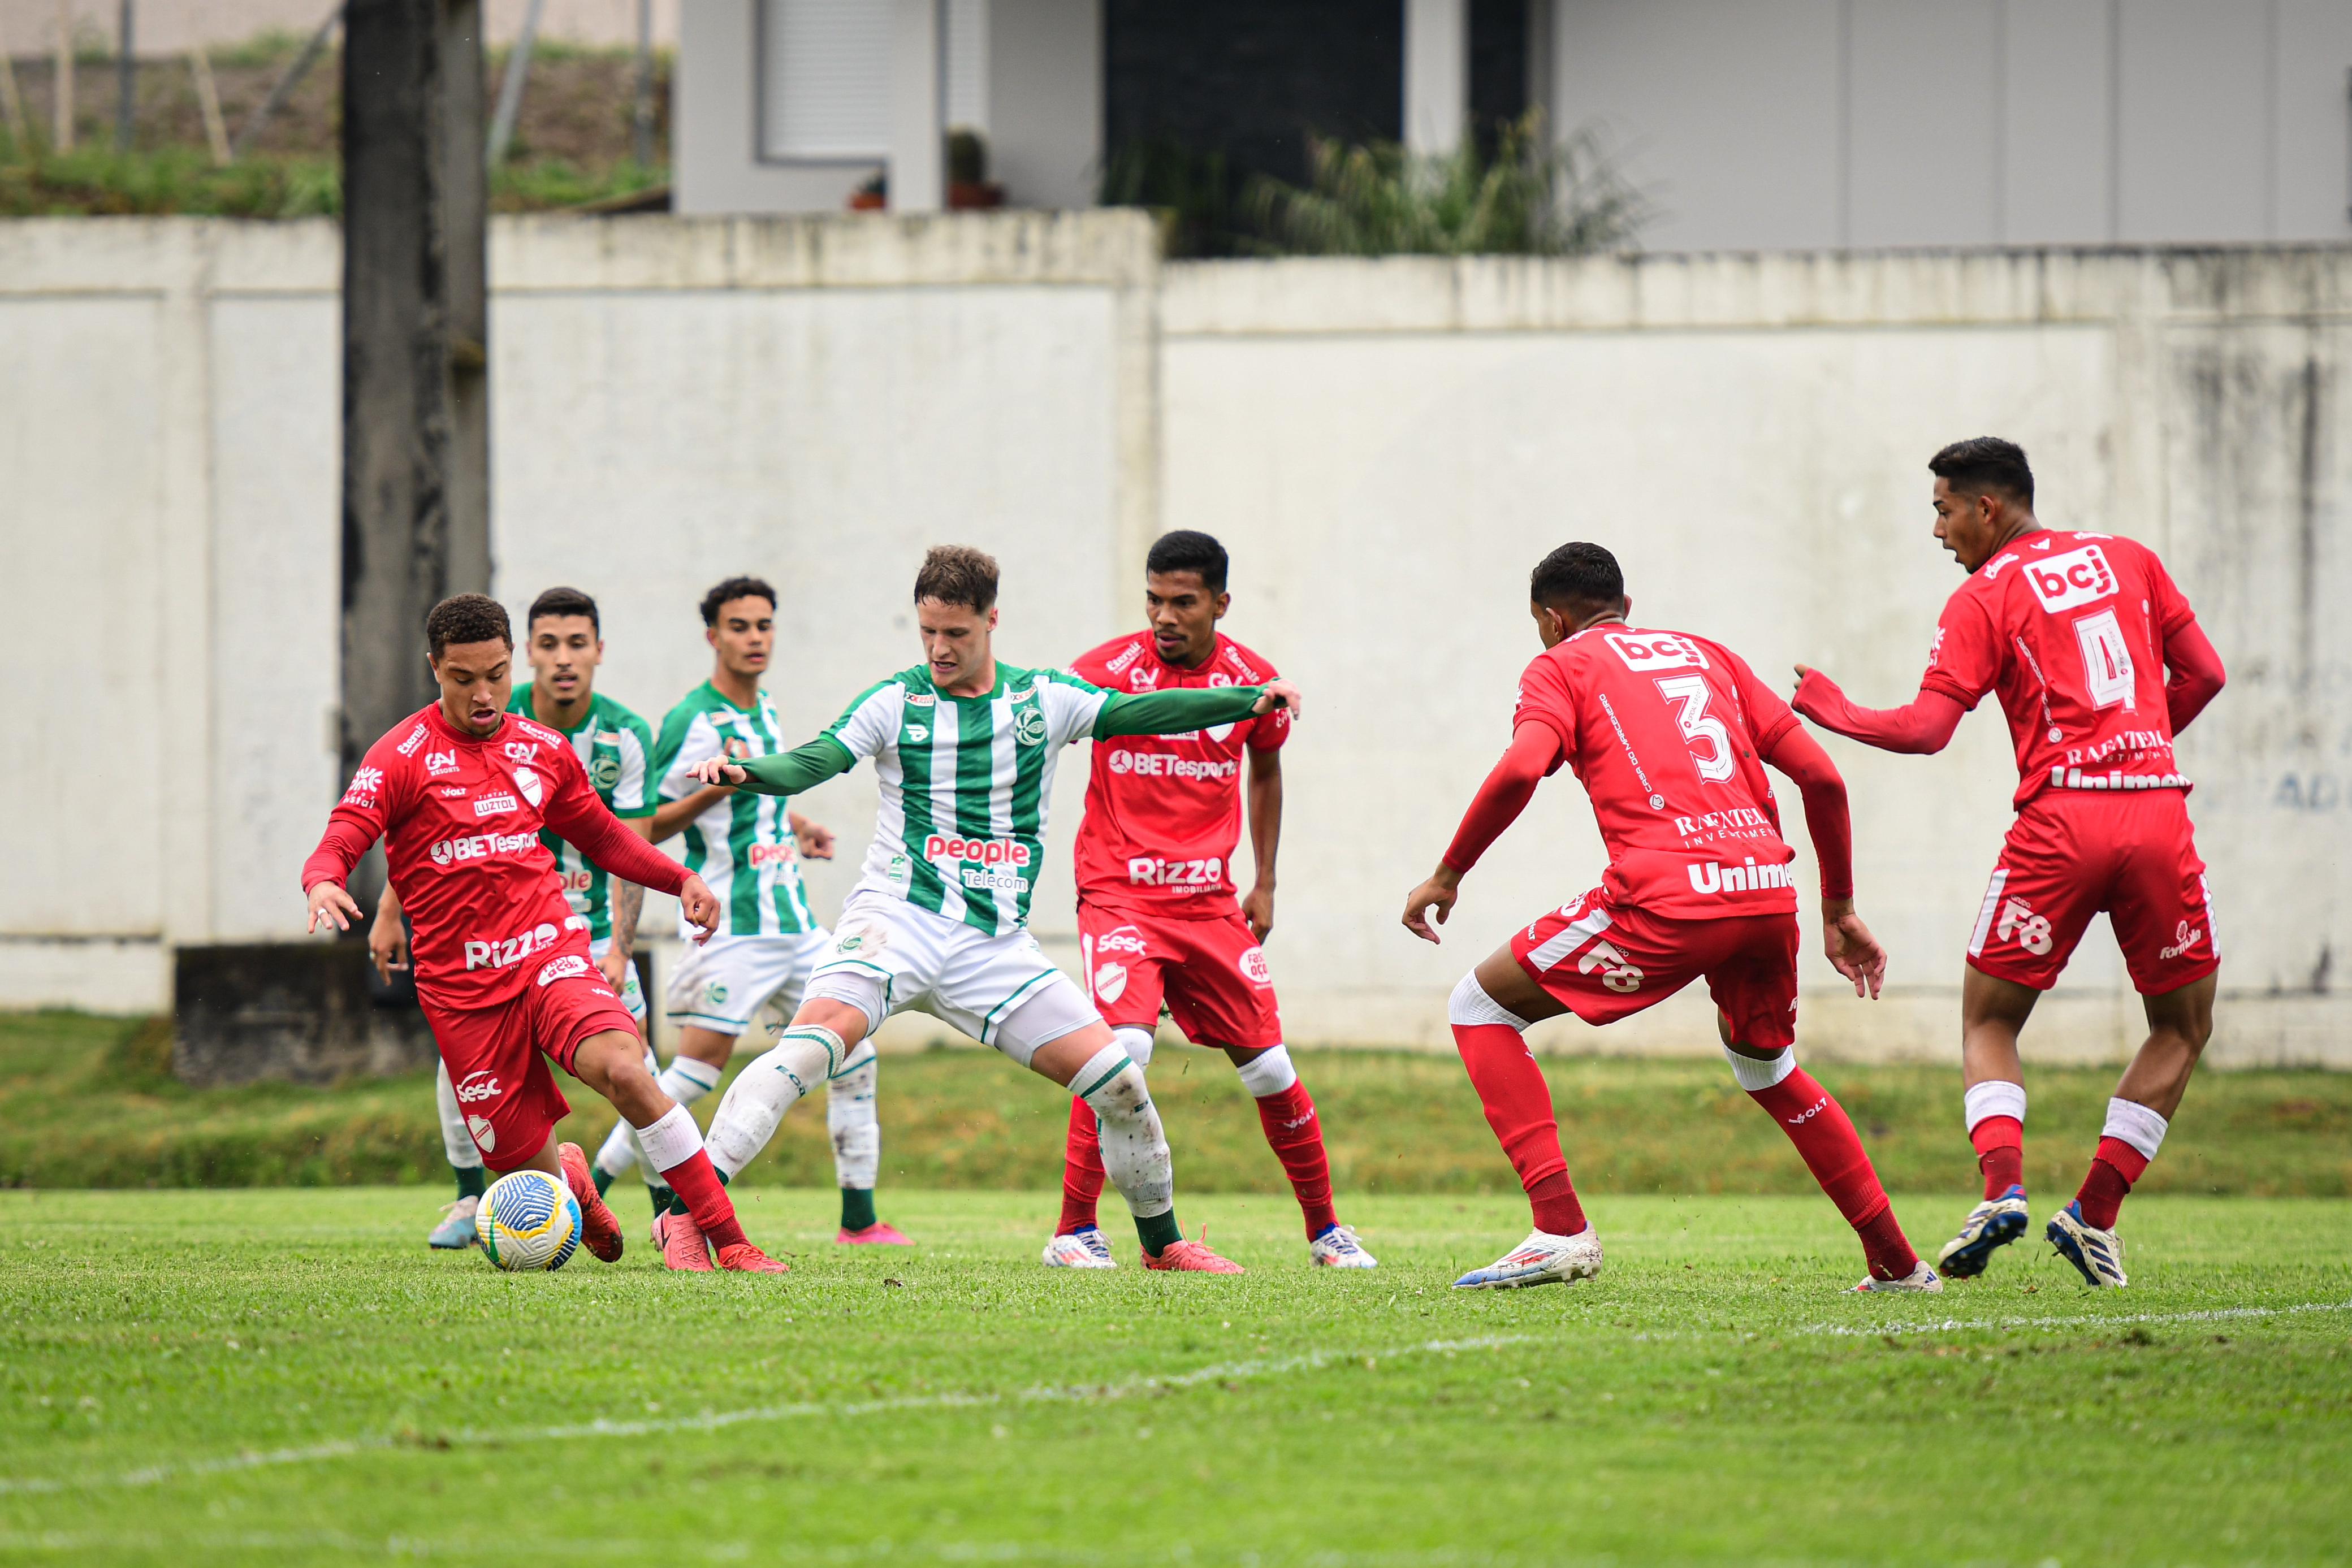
(963, 749)
(747, 847)
(564, 642)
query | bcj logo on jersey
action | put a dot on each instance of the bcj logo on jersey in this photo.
(1647, 652)
(2078, 576)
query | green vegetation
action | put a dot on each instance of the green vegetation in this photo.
(96, 180)
(196, 1378)
(90, 1103)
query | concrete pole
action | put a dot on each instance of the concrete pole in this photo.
(416, 477)
(126, 75)
(918, 107)
(1436, 74)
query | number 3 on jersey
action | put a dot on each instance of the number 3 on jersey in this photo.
(1718, 762)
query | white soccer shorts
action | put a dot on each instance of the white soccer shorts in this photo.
(632, 995)
(969, 979)
(721, 985)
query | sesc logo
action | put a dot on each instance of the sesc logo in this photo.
(568, 967)
(478, 1087)
(2078, 576)
(1122, 939)
(1647, 652)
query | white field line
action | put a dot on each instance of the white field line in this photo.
(712, 1421)
(2087, 1320)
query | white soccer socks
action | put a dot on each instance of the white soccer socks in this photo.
(1268, 1073)
(1757, 1074)
(1134, 1146)
(686, 1080)
(805, 1056)
(856, 1132)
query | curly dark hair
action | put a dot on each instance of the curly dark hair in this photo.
(736, 587)
(956, 574)
(465, 618)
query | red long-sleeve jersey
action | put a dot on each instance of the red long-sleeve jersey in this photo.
(460, 816)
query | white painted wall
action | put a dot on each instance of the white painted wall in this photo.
(1385, 446)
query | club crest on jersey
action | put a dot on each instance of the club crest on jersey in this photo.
(605, 771)
(1029, 724)
(2078, 576)
(527, 782)
(485, 1138)
(1110, 982)
(1647, 652)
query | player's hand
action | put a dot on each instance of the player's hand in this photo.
(1280, 693)
(1437, 893)
(702, 907)
(719, 771)
(1853, 951)
(388, 944)
(330, 901)
(1258, 910)
(813, 838)
(614, 964)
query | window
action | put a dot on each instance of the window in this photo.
(826, 67)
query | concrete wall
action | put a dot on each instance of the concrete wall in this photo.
(1760, 124)
(1385, 446)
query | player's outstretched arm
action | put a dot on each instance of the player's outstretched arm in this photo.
(1189, 707)
(1853, 951)
(787, 773)
(2196, 673)
(1922, 727)
(1535, 751)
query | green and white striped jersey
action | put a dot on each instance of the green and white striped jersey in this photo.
(616, 748)
(964, 783)
(743, 846)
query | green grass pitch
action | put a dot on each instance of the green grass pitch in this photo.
(287, 1377)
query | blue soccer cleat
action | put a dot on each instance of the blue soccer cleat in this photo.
(2099, 1254)
(455, 1231)
(1542, 1258)
(1994, 1223)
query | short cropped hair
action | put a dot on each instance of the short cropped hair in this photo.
(1577, 574)
(1986, 463)
(733, 589)
(564, 601)
(1189, 550)
(956, 574)
(465, 618)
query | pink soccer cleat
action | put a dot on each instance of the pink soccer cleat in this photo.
(600, 1230)
(1184, 1257)
(683, 1248)
(881, 1233)
(744, 1258)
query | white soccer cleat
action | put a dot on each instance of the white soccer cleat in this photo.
(2099, 1254)
(1338, 1247)
(1079, 1249)
(456, 1231)
(1541, 1259)
(1992, 1224)
(1921, 1279)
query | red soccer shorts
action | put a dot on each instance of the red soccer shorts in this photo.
(1604, 963)
(1210, 972)
(498, 1055)
(2074, 852)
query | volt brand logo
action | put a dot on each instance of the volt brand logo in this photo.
(479, 1087)
(449, 851)
(1713, 877)
(1809, 1112)
(569, 967)
(496, 803)
(498, 955)
(452, 791)
(2078, 576)
(1648, 651)
(437, 763)
(983, 852)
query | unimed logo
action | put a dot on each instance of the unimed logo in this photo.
(2078, 576)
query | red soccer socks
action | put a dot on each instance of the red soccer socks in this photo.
(1082, 1170)
(2132, 1136)
(673, 1146)
(1832, 1149)
(1995, 1112)
(1295, 1132)
(1517, 1103)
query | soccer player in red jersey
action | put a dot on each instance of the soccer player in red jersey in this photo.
(2075, 632)
(1669, 733)
(1157, 913)
(459, 792)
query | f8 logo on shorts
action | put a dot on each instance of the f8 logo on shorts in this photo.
(2030, 931)
(1616, 974)
(2078, 576)
(1646, 653)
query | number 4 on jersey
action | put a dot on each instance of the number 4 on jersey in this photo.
(2106, 660)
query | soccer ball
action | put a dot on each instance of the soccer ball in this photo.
(528, 1220)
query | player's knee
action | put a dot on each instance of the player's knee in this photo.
(1470, 1004)
(853, 989)
(1268, 1073)
(1112, 1084)
(1137, 1042)
(1758, 1073)
(808, 1054)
